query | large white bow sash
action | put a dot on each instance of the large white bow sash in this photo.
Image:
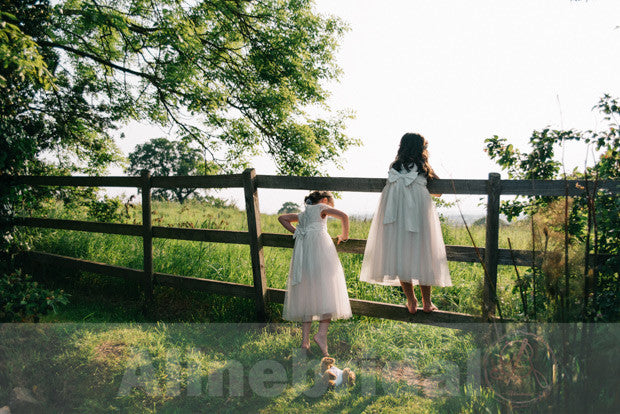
(399, 197)
(298, 252)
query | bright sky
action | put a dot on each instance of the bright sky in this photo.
(458, 72)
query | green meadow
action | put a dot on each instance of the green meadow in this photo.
(232, 263)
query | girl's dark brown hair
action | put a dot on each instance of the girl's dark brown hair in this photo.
(412, 151)
(316, 196)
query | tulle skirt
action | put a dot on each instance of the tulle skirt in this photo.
(322, 291)
(395, 254)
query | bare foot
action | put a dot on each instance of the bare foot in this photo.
(429, 308)
(322, 344)
(412, 307)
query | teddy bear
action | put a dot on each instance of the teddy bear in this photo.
(334, 376)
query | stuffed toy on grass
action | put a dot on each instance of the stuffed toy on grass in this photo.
(334, 376)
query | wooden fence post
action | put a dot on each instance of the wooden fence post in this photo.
(491, 250)
(147, 238)
(256, 241)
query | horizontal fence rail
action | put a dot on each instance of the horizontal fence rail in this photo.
(455, 253)
(31, 260)
(88, 226)
(205, 181)
(440, 186)
(556, 187)
(204, 235)
(493, 187)
(74, 181)
(369, 185)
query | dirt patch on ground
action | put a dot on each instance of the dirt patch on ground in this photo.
(403, 372)
(110, 352)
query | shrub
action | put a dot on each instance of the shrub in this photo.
(106, 210)
(24, 300)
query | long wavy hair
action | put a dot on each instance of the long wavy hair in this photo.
(412, 151)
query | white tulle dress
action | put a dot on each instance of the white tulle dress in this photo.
(316, 287)
(405, 241)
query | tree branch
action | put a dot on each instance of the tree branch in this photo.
(99, 59)
(186, 129)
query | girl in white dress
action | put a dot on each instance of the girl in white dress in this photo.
(405, 245)
(316, 287)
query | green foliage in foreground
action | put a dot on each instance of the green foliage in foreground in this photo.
(24, 300)
(161, 367)
(400, 367)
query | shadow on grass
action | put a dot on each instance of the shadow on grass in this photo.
(176, 368)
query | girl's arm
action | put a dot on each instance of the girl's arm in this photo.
(287, 219)
(332, 212)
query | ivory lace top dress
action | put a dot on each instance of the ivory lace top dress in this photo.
(405, 241)
(316, 287)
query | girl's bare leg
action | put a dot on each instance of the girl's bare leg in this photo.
(321, 337)
(305, 335)
(412, 301)
(427, 305)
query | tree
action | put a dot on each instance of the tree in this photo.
(47, 111)
(48, 123)
(289, 207)
(236, 77)
(164, 157)
(26, 131)
(593, 220)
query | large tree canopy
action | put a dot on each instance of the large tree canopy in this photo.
(237, 77)
(51, 119)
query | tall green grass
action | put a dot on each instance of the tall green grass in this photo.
(232, 263)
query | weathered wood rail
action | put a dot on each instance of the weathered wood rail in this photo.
(491, 254)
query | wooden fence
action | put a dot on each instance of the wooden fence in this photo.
(491, 254)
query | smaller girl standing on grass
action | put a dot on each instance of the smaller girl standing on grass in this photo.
(316, 287)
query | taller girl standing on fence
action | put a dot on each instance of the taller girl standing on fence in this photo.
(316, 288)
(405, 245)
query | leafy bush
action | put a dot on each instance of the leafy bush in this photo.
(590, 290)
(24, 300)
(106, 210)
